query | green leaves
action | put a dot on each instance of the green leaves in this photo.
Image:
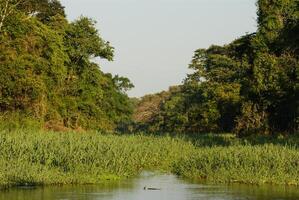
(47, 69)
(84, 42)
(249, 86)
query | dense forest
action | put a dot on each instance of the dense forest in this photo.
(249, 86)
(47, 75)
(48, 78)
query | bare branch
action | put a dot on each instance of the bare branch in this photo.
(4, 13)
(7, 10)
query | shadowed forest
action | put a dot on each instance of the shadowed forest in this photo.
(52, 92)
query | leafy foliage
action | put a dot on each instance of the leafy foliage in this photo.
(249, 86)
(47, 69)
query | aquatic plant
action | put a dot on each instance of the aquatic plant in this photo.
(43, 158)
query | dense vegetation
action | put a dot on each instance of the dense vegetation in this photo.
(49, 80)
(47, 75)
(249, 86)
(41, 158)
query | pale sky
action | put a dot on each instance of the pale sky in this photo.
(154, 40)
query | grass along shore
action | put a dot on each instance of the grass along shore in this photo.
(47, 158)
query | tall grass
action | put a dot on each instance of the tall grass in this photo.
(243, 164)
(42, 158)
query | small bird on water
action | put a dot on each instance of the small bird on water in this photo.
(150, 188)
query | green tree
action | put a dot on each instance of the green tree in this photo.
(47, 69)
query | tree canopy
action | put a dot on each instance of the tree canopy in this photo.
(48, 75)
(47, 72)
(249, 86)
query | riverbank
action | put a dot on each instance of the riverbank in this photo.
(49, 158)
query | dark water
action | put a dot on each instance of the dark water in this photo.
(170, 186)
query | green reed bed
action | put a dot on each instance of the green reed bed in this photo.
(43, 158)
(243, 164)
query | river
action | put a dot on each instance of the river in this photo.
(152, 186)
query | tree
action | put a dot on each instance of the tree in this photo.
(249, 86)
(48, 74)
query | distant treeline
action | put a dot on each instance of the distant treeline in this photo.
(47, 77)
(249, 86)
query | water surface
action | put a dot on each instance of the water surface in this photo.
(170, 187)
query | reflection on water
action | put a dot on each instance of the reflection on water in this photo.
(172, 188)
